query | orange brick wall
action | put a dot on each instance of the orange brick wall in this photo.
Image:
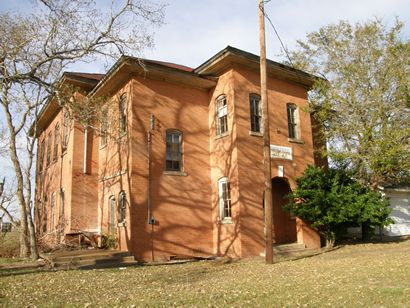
(184, 206)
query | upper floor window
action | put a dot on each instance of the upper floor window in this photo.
(123, 113)
(66, 131)
(49, 143)
(221, 115)
(293, 120)
(104, 127)
(56, 141)
(173, 159)
(256, 113)
(224, 193)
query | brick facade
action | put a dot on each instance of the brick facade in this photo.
(177, 212)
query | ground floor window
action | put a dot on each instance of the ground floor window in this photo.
(224, 193)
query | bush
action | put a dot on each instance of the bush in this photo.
(331, 200)
(9, 244)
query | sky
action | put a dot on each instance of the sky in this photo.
(195, 30)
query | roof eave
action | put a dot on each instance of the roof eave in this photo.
(230, 55)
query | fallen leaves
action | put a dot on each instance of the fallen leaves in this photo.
(369, 275)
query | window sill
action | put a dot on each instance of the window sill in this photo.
(292, 140)
(255, 134)
(222, 136)
(226, 221)
(175, 173)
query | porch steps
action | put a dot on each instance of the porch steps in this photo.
(292, 251)
(83, 259)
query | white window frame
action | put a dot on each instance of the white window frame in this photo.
(293, 119)
(53, 211)
(221, 113)
(255, 114)
(224, 200)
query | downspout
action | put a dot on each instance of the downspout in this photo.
(85, 150)
(151, 220)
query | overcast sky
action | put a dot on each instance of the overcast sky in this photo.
(195, 30)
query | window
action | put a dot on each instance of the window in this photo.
(66, 132)
(41, 156)
(173, 151)
(255, 113)
(224, 193)
(123, 205)
(44, 216)
(293, 121)
(104, 127)
(221, 115)
(53, 211)
(123, 113)
(112, 224)
(49, 143)
(56, 141)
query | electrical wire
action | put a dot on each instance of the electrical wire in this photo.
(278, 36)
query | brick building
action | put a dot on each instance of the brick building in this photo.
(175, 166)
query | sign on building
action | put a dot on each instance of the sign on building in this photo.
(280, 152)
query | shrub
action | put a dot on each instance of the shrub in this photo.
(331, 200)
(9, 244)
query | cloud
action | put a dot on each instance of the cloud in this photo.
(196, 30)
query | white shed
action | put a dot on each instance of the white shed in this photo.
(399, 203)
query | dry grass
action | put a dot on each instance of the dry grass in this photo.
(9, 244)
(355, 275)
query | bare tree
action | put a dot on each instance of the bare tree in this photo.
(34, 50)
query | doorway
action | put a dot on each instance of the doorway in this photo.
(284, 223)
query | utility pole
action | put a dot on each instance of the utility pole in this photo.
(266, 140)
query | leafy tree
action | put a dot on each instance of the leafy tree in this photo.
(363, 99)
(332, 200)
(35, 48)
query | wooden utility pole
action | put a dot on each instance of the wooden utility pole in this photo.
(266, 140)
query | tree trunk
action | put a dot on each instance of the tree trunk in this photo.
(33, 241)
(24, 242)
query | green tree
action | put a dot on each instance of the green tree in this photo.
(331, 200)
(363, 99)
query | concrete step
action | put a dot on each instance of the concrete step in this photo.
(90, 262)
(91, 259)
(288, 247)
(91, 255)
(292, 250)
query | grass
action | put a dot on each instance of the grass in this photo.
(354, 275)
(9, 244)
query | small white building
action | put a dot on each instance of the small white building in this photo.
(400, 205)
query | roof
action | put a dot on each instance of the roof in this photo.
(171, 65)
(217, 63)
(91, 76)
(203, 76)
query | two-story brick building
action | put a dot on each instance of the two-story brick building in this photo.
(175, 167)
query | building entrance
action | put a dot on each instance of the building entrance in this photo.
(284, 223)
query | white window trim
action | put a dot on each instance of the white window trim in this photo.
(221, 201)
(221, 112)
(297, 138)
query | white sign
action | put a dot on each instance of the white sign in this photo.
(280, 152)
(280, 171)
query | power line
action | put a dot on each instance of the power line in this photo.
(278, 36)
